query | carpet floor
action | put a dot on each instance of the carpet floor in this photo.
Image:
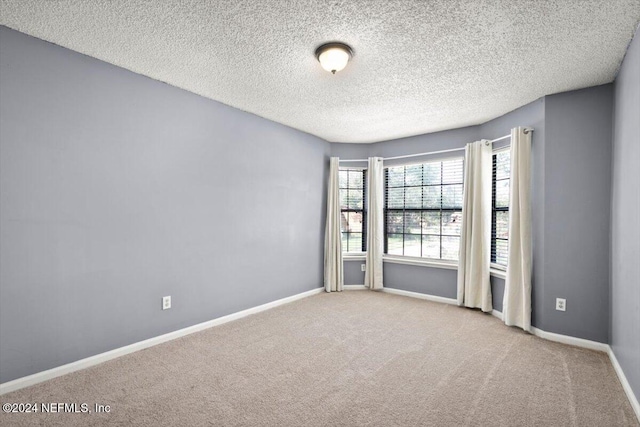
(355, 358)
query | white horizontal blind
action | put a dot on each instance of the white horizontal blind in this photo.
(423, 209)
(352, 183)
(500, 207)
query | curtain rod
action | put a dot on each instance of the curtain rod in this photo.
(527, 130)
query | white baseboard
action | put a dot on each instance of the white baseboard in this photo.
(355, 288)
(103, 357)
(566, 339)
(420, 296)
(633, 400)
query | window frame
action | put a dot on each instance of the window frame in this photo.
(494, 209)
(363, 246)
(421, 260)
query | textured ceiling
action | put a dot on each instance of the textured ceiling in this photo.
(419, 66)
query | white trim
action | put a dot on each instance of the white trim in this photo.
(498, 273)
(423, 161)
(498, 267)
(422, 262)
(420, 296)
(39, 377)
(633, 400)
(355, 288)
(506, 147)
(566, 339)
(348, 257)
(354, 168)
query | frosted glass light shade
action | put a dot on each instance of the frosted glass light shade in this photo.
(334, 57)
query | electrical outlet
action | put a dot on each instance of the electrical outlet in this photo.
(363, 267)
(561, 304)
(166, 303)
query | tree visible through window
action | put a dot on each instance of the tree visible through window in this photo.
(352, 184)
(423, 209)
(500, 207)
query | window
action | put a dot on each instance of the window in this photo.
(500, 207)
(423, 209)
(352, 209)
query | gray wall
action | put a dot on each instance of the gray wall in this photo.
(116, 190)
(625, 215)
(353, 274)
(576, 216)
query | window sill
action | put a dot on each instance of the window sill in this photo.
(423, 262)
(500, 274)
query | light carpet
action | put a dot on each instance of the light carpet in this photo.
(345, 359)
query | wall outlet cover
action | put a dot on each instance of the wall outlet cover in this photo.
(561, 304)
(166, 302)
(363, 267)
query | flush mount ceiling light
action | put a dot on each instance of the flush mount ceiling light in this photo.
(334, 56)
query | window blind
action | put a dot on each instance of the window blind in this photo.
(352, 184)
(423, 209)
(500, 207)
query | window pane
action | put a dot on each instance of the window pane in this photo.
(355, 199)
(343, 178)
(394, 244)
(502, 194)
(431, 222)
(452, 171)
(452, 196)
(431, 173)
(423, 202)
(432, 196)
(344, 242)
(413, 197)
(450, 247)
(395, 198)
(355, 179)
(451, 223)
(344, 194)
(396, 177)
(354, 221)
(395, 222)
(412, 245)
(503, 164)
(431, 246)
(412, 223)
(355, 242)
(502, 225)
(413, 175)
(502, 247)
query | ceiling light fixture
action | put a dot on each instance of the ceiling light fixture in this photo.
(334, 56)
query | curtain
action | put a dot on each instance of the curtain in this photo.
(474, 286)
(333, 274)
(517, 291)
(375, 224)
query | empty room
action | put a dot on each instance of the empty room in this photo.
(320, 213)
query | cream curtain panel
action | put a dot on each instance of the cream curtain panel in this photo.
(333, 273)
(474, 286)
(375, 224)
(517, 291)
